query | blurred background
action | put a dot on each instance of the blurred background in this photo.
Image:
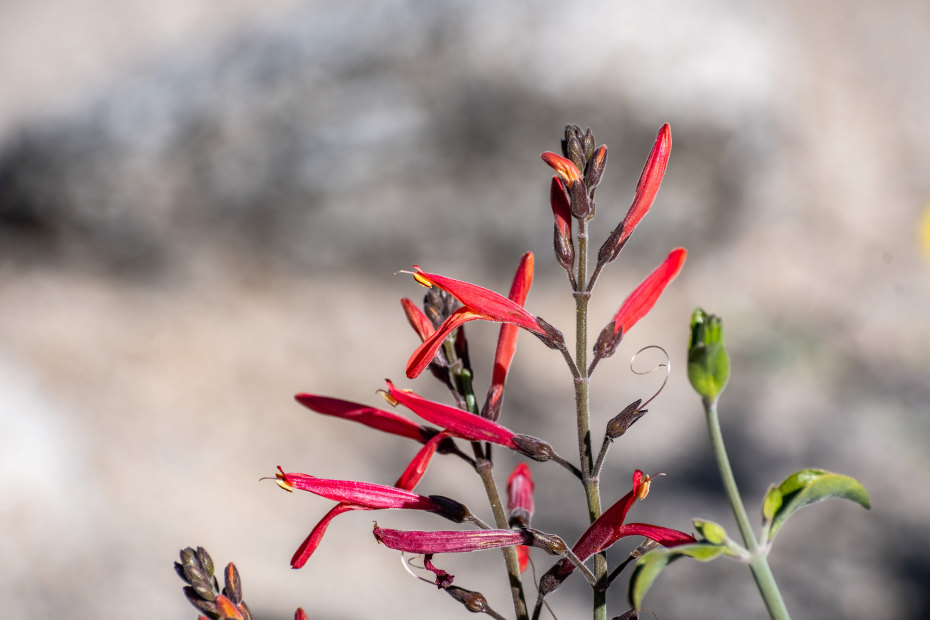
(202, 206)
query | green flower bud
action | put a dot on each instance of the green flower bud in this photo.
(708, 362)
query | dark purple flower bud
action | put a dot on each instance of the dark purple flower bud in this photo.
(620, 423)
(536, 449)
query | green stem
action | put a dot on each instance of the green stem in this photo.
(582, 410)
(759, 565)
(486, 472)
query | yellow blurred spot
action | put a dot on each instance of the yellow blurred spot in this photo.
(390, 399)
(924, 231)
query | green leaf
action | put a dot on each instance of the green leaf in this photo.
(772, 502)
(710, 531)
(650, 565)
(807, 487)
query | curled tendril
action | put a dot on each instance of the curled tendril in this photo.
(409, 566)
(667, 365)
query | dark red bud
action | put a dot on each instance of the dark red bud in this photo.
(451, 509)
(474, 602)
(574, 150)
(607, 341)
(588, 143)
(581, 202)
(550, 543)
(551, 337)
(612, 246)
(534, 448)
(595, 169)
(620, 423)
(564, 248)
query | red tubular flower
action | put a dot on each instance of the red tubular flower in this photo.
(300, 614)
(371, 496)
(649, 182)
(456, 422)
(564, 166)
(418, 321)
(608, 529)
(507, 340)
(417, 467)
(561, 208)
(520, 495)
(449, 541)
(520, 506)
(309, 545)
(408, 480)
(646, 294)
(369, 416)
(477, 303)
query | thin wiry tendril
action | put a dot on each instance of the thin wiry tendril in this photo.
(409, 567)
(667, 365)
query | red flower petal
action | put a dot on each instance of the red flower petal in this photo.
(520, 494)
(425, 353)
(565, 167)
(663, 535)
(300, 614)
(369, 416)
(407, 481)
(309, 545)
(417, 467)
(226, 608)
(523, 557)
(455, 421)
(418, 321)
(448, 541)
(507, 340)
(597, 536)
(646, 294)
(493, 306)
(561, 207)
(649, 181)
(364, 494)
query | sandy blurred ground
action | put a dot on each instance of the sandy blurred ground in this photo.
(201, 210)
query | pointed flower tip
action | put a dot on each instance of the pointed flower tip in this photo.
(649, 182)
(562, 165)
(281, 480)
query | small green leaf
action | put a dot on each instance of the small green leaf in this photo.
(771, 504)
(650, 565)
(809, 486)
(710, 531)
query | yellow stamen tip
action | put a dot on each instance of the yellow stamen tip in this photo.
(390, 399)
(420, 278)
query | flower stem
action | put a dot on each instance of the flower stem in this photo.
(486, 472)
(582, 410)
(758, 564)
